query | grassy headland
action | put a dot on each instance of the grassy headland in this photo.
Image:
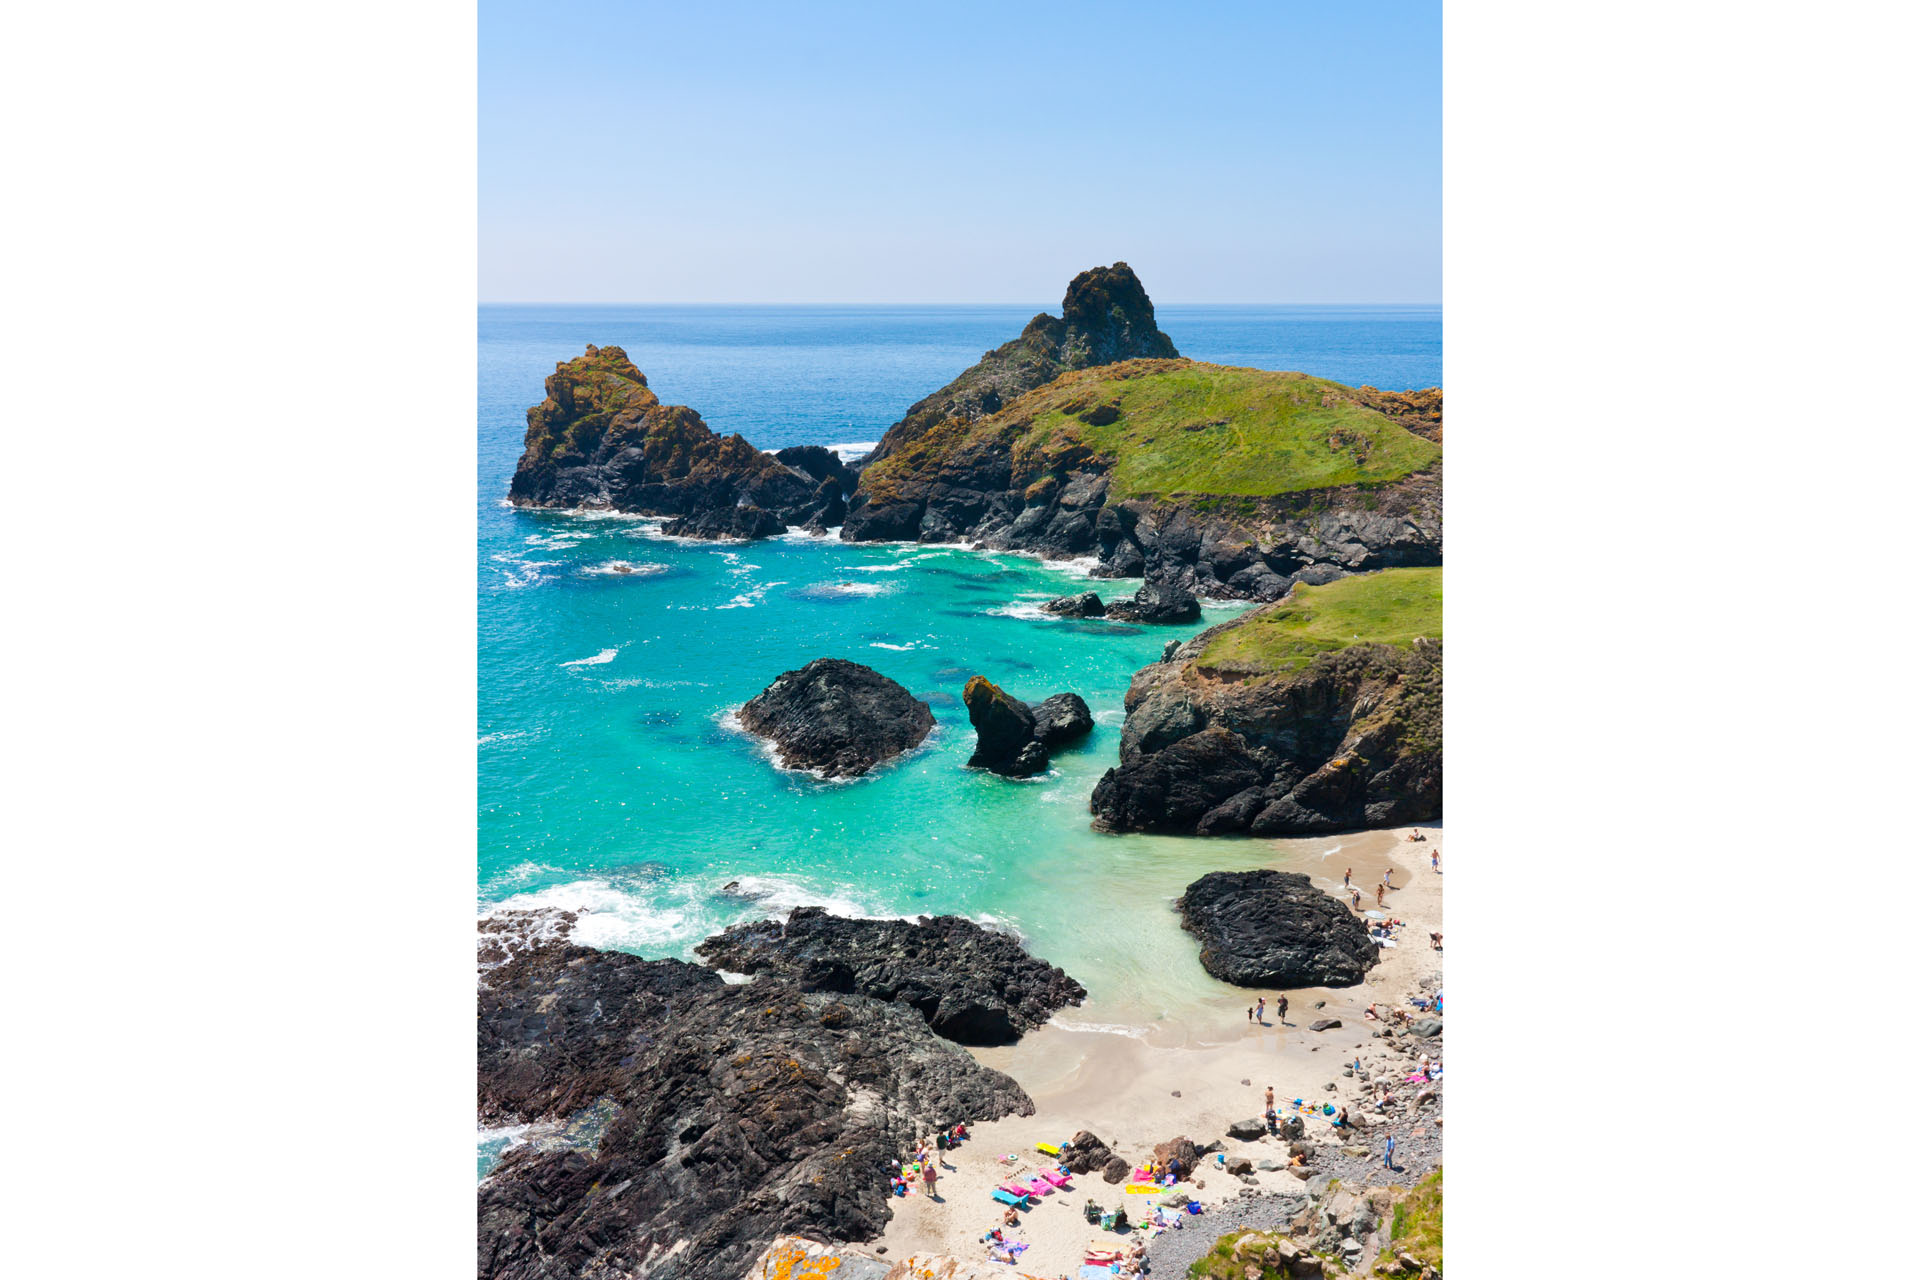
(1392, 607)
(1181, 427)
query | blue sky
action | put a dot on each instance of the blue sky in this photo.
(979, 152)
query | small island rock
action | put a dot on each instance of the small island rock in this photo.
(1158, 601)
(837, 718)
(1085, 605)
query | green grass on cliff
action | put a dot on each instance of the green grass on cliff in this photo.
(1416, 1222)
(1182, 428)
(1393, 606)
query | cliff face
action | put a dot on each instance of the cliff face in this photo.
(602, 439)
(1105, 317)
(706, 1119)
(1246, 728)
(1234, 483)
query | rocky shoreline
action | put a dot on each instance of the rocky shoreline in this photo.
(708, 1117)
(1222, 738)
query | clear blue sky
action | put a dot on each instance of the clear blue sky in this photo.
(1286, 151)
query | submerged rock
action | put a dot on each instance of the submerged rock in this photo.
(837, 718)
(1275, 929)
(972, 985)
(734, 1114)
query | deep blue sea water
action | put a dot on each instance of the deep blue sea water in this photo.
(608, 776)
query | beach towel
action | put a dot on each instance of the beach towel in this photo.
(1007, 1197)
(1096, 1273)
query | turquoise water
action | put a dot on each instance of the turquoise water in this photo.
(608, 777)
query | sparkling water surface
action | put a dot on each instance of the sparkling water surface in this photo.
(608, 777)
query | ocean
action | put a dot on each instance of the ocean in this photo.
(608, 776)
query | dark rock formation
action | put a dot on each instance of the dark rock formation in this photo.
(1061, 719)
(1105, 317)
(1159, 601)
(726, 1115)
(1274, 929)
(1086, 1153)
(972, 985)
(1352, 740)
(837, 718)
(1015, 740)
(602, 439)
(742, 521)
(1004, 726)
(1085, 605)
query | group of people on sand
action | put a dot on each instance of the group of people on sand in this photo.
(1257, 1012)
(924, 1162)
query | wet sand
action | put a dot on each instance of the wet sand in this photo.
(1166, 1072)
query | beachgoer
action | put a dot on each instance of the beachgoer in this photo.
(1380, 894)
(1340, 1121)
(1356, 899)
(1387, 879)
(1269, 1097)
(1347, 880)
(1261, 1005)
(1436, 859)
(940, 1141)
(1389, 1151)
(929, 1175)
(1281, 1004)
(1010, 1218)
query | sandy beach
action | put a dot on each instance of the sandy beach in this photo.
(1191, 1074)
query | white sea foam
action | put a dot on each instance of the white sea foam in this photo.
(627, 568)
(748, 599)
(521, 572)
(1110, 716)
(604, 656)
(1100, 1028)
(897, 648)
(853, 450)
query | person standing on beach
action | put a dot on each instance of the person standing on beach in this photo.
(1390, 1151)
(1380, 894)
(930, 1176)
(1249, 1013)
(1261, 1006)
(1436, 861)
(1356, 899)
(1348, 880)
(1269, 1099)
(1281, 1006)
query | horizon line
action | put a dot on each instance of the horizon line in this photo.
(550, 302)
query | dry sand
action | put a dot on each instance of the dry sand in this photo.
(1181, 1076)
